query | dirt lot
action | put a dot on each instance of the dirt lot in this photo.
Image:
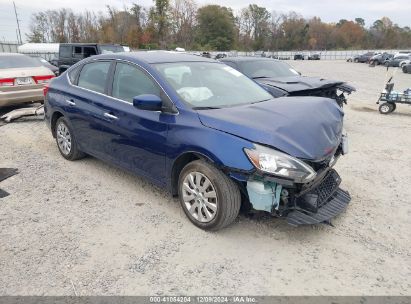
(88, 228)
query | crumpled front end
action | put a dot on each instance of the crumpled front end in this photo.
(313, 202)
(308, 86)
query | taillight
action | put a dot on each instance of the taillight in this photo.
(6, 82)
(42, 79)
(45, 90)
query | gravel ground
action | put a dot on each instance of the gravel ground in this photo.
(87, 228)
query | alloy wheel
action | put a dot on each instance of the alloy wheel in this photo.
(200, 197)
(63, 138)
(385, 109)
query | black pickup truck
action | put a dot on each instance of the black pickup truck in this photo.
(70, 53)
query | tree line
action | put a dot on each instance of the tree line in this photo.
(168, 24)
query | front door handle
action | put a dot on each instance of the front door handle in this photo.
(110, 116)
(70, 102)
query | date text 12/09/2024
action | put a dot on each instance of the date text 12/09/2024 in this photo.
(203, 299)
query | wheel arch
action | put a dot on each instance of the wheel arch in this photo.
(56, 115)
(181, 161)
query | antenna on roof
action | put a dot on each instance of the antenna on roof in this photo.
(18, 24)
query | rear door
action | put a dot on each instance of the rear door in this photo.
(89, 89)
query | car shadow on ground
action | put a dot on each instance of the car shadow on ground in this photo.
(247, 222)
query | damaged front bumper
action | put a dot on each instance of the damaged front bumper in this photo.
(301, 204)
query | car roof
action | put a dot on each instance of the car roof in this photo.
(247, 58)
(156, 57)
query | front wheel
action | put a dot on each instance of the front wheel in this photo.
(208, 197)
(386, 108)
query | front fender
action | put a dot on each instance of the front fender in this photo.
(220, 148)
(225, 151)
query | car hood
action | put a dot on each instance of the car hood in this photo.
(301, 83)
(304, 127)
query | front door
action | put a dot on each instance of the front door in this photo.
(135, 138)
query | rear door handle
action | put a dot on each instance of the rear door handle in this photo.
(70, 102)
(110, 116)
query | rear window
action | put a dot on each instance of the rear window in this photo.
(18, 61)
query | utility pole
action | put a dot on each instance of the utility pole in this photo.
(18, 24)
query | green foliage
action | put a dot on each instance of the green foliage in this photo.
(179, 23)
(216, 27)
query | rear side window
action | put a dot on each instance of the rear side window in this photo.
(93, 76)
(65, 51)
(77, 53)
(129, 81)
(73, 74)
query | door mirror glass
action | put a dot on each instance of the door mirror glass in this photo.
(149, 102)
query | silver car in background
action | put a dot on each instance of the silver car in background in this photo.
(22, 79)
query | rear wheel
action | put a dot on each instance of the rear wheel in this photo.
(208, 197)
(404, 69)
(386, 108)
(66, 141)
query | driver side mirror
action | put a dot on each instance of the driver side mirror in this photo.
(148, 102)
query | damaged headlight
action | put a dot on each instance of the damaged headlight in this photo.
(280, 164)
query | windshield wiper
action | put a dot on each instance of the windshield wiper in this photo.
(259, 77)
(205, 108)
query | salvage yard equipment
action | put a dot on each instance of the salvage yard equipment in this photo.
(390, 98)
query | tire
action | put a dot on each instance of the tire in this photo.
(356, 60)
(219, 201)
(66, 140)
(404, 69)
(386, 108)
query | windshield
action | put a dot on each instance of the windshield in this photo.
(267, 68)
(18, 61)
(211, 85)
(107, 49)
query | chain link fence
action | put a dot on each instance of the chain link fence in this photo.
(324, 55)
(8, 47)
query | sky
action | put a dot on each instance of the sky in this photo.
(399, 11)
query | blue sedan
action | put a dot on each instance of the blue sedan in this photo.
(204, 131)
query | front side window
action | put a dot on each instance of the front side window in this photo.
(89, 51)
(93, 76)
(208, 84)
(129, 81)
